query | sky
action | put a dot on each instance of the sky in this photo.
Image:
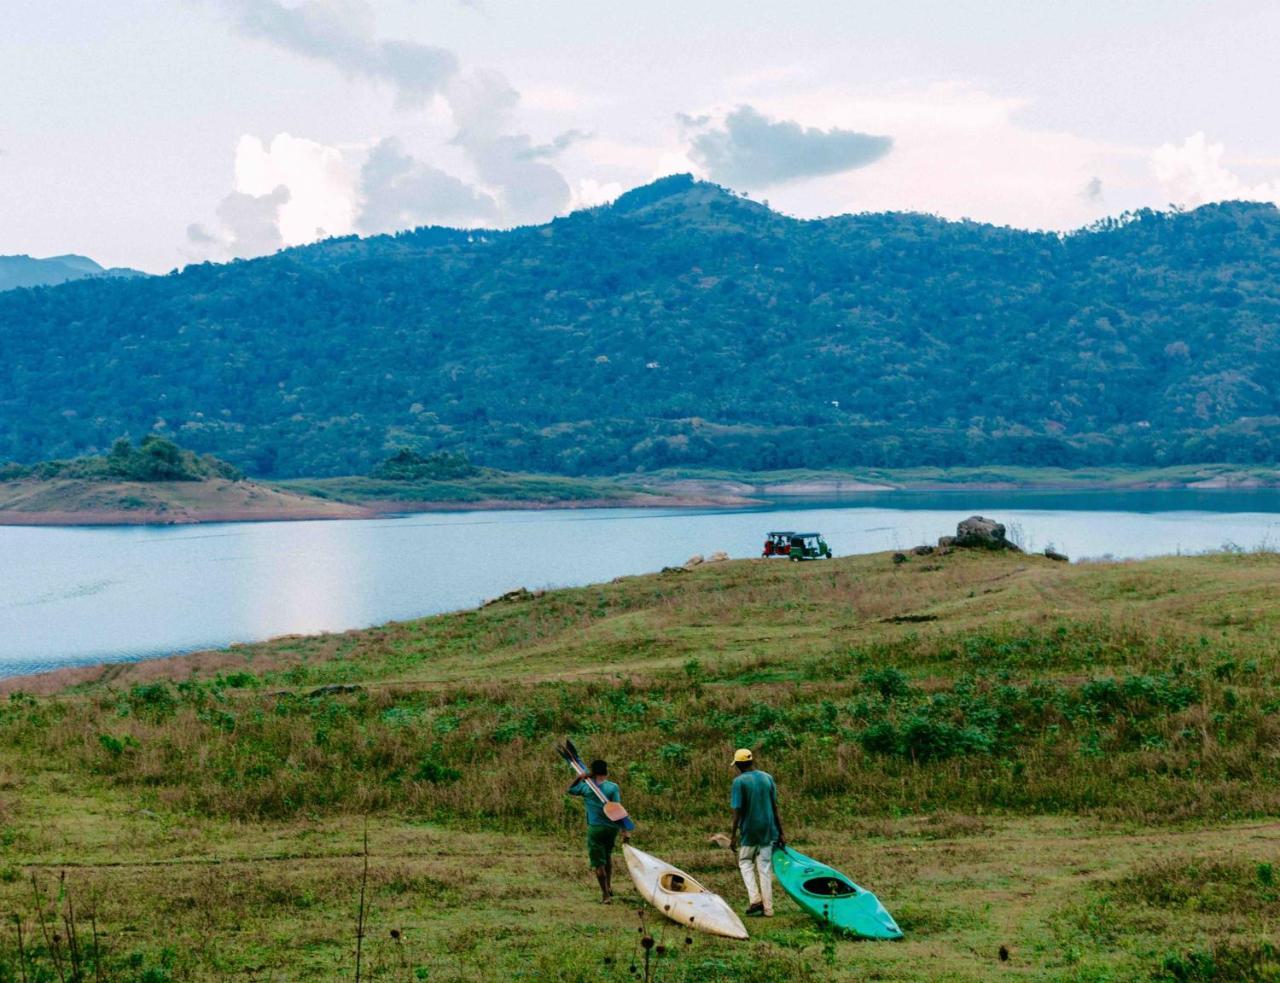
(157, 133)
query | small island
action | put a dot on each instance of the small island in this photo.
(154, 482)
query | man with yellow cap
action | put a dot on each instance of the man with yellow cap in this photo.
(754, 801)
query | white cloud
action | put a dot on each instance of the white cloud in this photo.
(509, 167)
(287, 192)
(557, 98)
(322, 184)
(1192, 173)
(589, 193)
(959, 152)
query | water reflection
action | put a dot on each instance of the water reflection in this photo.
(70, 596)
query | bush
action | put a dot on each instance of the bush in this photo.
(408, 465)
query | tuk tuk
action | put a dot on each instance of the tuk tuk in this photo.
(808, 546)
(777, 543)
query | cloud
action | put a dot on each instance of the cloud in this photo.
(250, 222)
(528, 189)
(558, 145)
(512, 170)
(960, 151)
(340, 32)
(591, 193)
(287, 192)
(198, 235)
(398, 192)
(321, 184)
(1192, 173)
(1092, 189)
(751, 150)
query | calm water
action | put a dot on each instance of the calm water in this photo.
(74, 596)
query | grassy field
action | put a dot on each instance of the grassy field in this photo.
(1044, 771)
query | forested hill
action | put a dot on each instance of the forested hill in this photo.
(680, 325)
(27, 271)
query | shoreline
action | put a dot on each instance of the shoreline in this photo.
(359, 511)
(756, 497)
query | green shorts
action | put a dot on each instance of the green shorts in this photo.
(600, 841)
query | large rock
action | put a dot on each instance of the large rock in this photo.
(977, 531)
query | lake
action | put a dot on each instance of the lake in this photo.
(71, 596)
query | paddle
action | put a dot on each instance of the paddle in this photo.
(614, 811)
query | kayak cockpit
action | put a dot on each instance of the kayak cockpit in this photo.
(829, 887)
(674, 883)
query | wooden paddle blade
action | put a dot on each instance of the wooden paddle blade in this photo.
(616, 813)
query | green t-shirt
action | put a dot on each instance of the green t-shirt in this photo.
(595, 808)
(754, 795)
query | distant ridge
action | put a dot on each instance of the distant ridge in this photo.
(27, 271)
(680, 326)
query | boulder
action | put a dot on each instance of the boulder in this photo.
(694, 561)
(1053, 554)
(946, 542)
(922, 550)
(899, 557)
(983, 533)
(519, 594)
(718, 557)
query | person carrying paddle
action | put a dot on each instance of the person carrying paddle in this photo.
(602, 832)
(754, 801)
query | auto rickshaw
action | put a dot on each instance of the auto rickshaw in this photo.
(808, 546)
(777, 543)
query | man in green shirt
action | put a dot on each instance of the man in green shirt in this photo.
(756, 828)
(602, 832)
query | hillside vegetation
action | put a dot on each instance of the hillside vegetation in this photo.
(680, 326)
(155, 459)
(1079, 764)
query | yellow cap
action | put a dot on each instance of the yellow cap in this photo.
(741, 755)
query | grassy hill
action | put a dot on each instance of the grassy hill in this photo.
(680, 326)
(1079, 765)
(77, 501)
(157, 481)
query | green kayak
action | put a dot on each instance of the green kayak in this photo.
(831, 897)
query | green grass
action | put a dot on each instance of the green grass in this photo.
(1079, 764)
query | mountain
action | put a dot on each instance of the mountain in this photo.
(681, 325)
(27, 271)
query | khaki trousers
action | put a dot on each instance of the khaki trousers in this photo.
(756, 864)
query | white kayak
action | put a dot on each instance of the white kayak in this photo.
(680, 897)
